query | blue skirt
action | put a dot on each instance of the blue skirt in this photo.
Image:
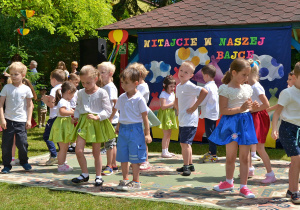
(238, 127)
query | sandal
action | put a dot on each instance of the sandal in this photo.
(76, 180)
(99, 182)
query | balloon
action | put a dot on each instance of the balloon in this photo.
(125, 36)
(111, 37)
(27, 13)
(23, 31)
(118, 34)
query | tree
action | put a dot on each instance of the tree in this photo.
(72, 18)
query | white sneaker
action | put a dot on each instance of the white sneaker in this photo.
(132, 186)
(51, 161)
(122, 184)
(255, 158)
(15, 162)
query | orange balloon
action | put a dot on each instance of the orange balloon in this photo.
(111, 37)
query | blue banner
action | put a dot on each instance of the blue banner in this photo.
(162, 53)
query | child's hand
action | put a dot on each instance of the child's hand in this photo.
(246, 105)
(28, 124)
(3, 123)
(117, 130)
(93, 117)
(110, 119)
(148, 139)
(274, 134)
(74, 120)
(255, 106)
(190, 110)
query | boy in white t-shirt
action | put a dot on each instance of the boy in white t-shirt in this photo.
(132, 139)
(187, 103)
(288, 109)
(17, 116)
(210, 110)
(57, 77)
(107, 70)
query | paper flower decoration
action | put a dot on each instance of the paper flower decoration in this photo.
(23, 31)
(27, 13)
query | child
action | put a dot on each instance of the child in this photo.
(107, 70)
(74, 66)
(17, 116)
(132, 140)
(62, 126)
(93, 110)
(210, 110)
(57, 77)
(144, 90)
(42, 107)
(236, 128)
(166, 114)
(61, 65)
(187, 103)
(74, 79)
(261, 121)
(289, 111)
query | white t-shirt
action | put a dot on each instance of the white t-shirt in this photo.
(210, 104)
(112, 92)
(170, 98)
(15, 102)
(187, 96)
(53, 110)
(131, 109)
(236, 96)
(63, 103)
(144, 90)
(96, 103)
(257, 91)
(290, 99)
(74, 100)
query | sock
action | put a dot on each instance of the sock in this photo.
(164, 151)
(270, 174)
(241, 186)
(136, 181)
(251, 168)
(83, 174)
(74, 145)
(12, 158)
(126, 179)
(61, 165)
(98, 177)
(230, 181)
(253, 154)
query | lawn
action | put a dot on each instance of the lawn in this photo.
(22, 197)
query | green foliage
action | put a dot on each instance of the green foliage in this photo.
(295, 55)
(71, 18)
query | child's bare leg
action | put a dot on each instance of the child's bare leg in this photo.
(114, 155)
(185, 150)
(231, 152)
(191, 154)
(13, 150)
(166, 139)
(294, 173)
(136, 172)
(62, 154)
(109, 156)
(264, 156)
(79, 150)
(244, 163)
(147, 152)
(125, 170)
(97, 158)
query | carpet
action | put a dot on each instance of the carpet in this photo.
(162, 183)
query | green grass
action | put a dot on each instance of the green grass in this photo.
(22, 197)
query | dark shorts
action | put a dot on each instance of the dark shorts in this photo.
(187, 134)
(288, 134)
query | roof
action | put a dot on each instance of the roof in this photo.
(203, 13)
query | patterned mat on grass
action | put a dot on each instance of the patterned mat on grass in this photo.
(162, 183)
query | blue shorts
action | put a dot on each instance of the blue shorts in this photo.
(288, 138)
(131, 145)
(187, 134)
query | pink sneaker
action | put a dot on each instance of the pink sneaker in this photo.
(223, 186)
(64, 168)
(145, 166)
(245, 192)
(269, 179)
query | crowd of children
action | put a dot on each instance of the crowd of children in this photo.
(95, 114)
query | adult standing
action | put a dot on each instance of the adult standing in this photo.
(33, 65)
(74, 66)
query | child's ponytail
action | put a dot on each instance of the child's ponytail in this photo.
(58, 96)
(227, 78)
(28, 83)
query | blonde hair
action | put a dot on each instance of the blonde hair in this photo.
(108, 66)
(59, 75)
(19, 67)
(237, 65)
(254, 67)
(141, 68)
(73, 76)
(74, 63)
(297, 69)
(189, 64)
(28, 83)
(90, 71)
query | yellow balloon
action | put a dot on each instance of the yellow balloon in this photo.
(118, 35)
(25, 31)
(29, 13)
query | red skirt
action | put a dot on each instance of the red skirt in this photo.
(261, 122)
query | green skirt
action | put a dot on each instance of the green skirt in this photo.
(61, 130)
(93, 131)
(167, 118)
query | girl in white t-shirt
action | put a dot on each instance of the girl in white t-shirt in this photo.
(62, 126)
(166, 114)
(236, 128)
(261, 121)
